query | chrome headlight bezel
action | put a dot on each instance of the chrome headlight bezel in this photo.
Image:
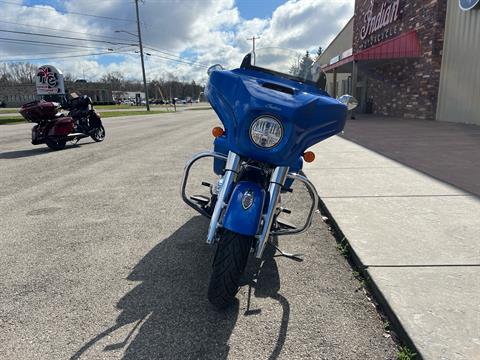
(271, 120)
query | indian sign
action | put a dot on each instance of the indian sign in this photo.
(49, 81)
(374, 22)
(467, 5)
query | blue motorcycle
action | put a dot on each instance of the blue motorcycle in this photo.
(273, 108)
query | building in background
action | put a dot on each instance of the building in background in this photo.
(17, 95)
(412, 59)
(339, 82)
(136, 96)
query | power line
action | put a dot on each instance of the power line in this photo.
(92, 40)
(46, 53)
(170, 53)
(62, 37)
(63, 52)
(179, 57)
(162, 51)
(70, 12)
(42, 43)
(63, 31)
(66, 57)
(180, 61)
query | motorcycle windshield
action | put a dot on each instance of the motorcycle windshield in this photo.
(286, 63)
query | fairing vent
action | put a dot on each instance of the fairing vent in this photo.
(277, 87)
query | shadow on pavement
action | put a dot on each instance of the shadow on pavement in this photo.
(42, 150)
(449, 152)
(24, 153)
(169, 310)
(264, 277)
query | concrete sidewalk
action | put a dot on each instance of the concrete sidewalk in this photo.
(418, 239)
(449, 152)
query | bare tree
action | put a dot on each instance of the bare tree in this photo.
(17, 73)
(115, 79)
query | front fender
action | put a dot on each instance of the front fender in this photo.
(243, 220)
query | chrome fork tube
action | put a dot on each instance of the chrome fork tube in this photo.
(277, 180)
(231, 170)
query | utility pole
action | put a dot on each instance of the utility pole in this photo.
(139, 31)
(253, 38)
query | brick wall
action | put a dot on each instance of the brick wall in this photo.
(407, 87)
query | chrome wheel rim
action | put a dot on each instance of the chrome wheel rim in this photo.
(100, 133)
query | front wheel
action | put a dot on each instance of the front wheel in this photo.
(99, 134)
(55, 144)
(228, 266)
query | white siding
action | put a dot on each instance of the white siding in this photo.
(459, 95)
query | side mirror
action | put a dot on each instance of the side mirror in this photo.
(214, 68)
(349, 101)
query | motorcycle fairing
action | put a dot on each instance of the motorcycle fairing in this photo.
(308, 115)
(243, 220)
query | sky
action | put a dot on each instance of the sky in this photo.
(182, 37)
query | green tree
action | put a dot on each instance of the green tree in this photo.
(319, 51)
(305, 68)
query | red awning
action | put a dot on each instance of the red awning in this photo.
(403, 46)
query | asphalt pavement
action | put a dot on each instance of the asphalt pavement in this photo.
(100, 259)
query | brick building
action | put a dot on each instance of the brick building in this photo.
(395, 64)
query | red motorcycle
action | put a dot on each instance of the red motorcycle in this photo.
(55, 129)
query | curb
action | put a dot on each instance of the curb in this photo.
(376, 292)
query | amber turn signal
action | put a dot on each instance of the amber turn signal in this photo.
(217, 131)
(309, 156)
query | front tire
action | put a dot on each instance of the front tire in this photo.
(228, 266)
(55, 144)
(99, 134)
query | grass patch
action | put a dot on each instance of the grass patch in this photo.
(124, 106)
(9, 111)
(112, 107)
(343, 247)
(387, 326)
(131, 113)
(16, 119)
(11, 120)
(200, 108)
(404, 353)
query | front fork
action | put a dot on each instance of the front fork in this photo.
(277, 180)
(231, 171)
(232, 168)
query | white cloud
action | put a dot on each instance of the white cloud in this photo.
(207, 31)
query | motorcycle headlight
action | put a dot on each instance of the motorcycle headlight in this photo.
(266, 131)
